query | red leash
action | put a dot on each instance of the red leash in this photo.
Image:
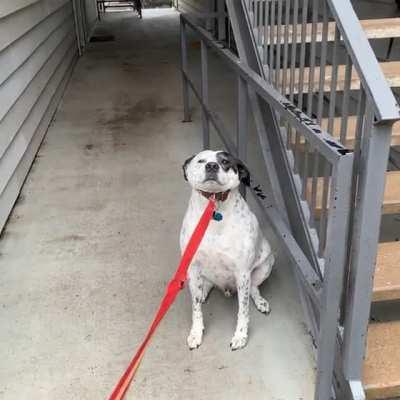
(173, 288)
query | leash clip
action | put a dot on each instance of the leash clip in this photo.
(217, 216)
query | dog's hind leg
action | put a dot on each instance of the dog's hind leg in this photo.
(258, 276)
(261, 304)
(196, 284)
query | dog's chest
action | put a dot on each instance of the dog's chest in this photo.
(228, 246)
(224, 253)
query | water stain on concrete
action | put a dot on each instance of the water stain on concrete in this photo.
(125, 116)
(142, 110)
(68, 238)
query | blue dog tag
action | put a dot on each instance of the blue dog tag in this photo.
(217, 216)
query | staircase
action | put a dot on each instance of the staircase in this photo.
(308, 60)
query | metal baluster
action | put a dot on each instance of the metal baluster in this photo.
(305, 173)
(311, 68)
(256, 20)
(272, 30)
(301, 74)
(332, 96)
(324, 207)
(293, 49)
(260, 22)
(314, 185)
(229, 35)
(302, 53)
(324, 41)
(297, 149)
(279, 44)
(293, 63)
(266, 32)
(286, 47)
(324, 48)
(254, 5)
(346, 98)
(311, 71)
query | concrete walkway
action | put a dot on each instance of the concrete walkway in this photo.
(94, 239)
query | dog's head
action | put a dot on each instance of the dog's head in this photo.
(215, 171)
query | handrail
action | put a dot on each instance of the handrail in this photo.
(373, 80)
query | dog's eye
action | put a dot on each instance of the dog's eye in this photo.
(201, 161)
(224, 162)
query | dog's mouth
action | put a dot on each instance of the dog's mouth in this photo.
(212, 177)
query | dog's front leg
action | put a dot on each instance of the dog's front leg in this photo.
(196, 282)
(239, 339)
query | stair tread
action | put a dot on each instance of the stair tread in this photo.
(391, 202)
(351, 130)
(381, 377)
(383, 28)
(390, 69)
(387, 273)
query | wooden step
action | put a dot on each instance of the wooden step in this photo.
(391, 203)
(390, 69)
(387, 273)
(351, 131)
(384, 28)
(382, 365)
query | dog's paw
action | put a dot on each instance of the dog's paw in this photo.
(194, 339)
(263, 306)
(238, 342)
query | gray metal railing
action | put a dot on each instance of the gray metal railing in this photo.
(315, 53)
(323, 285)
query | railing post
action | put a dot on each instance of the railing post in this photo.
(334, 272)
(372, 167)
(242, 124)
(204, 95)
(185, 85)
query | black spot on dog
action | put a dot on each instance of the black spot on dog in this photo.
(227, 161)
(185, 165)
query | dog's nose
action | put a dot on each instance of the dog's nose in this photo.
(212, 167)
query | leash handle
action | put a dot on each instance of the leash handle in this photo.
(173, 288)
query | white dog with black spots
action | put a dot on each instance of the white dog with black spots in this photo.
(234, 255)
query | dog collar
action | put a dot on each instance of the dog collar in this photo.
(220, 196)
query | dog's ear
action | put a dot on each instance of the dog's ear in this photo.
(244, 174)
(185, 165)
